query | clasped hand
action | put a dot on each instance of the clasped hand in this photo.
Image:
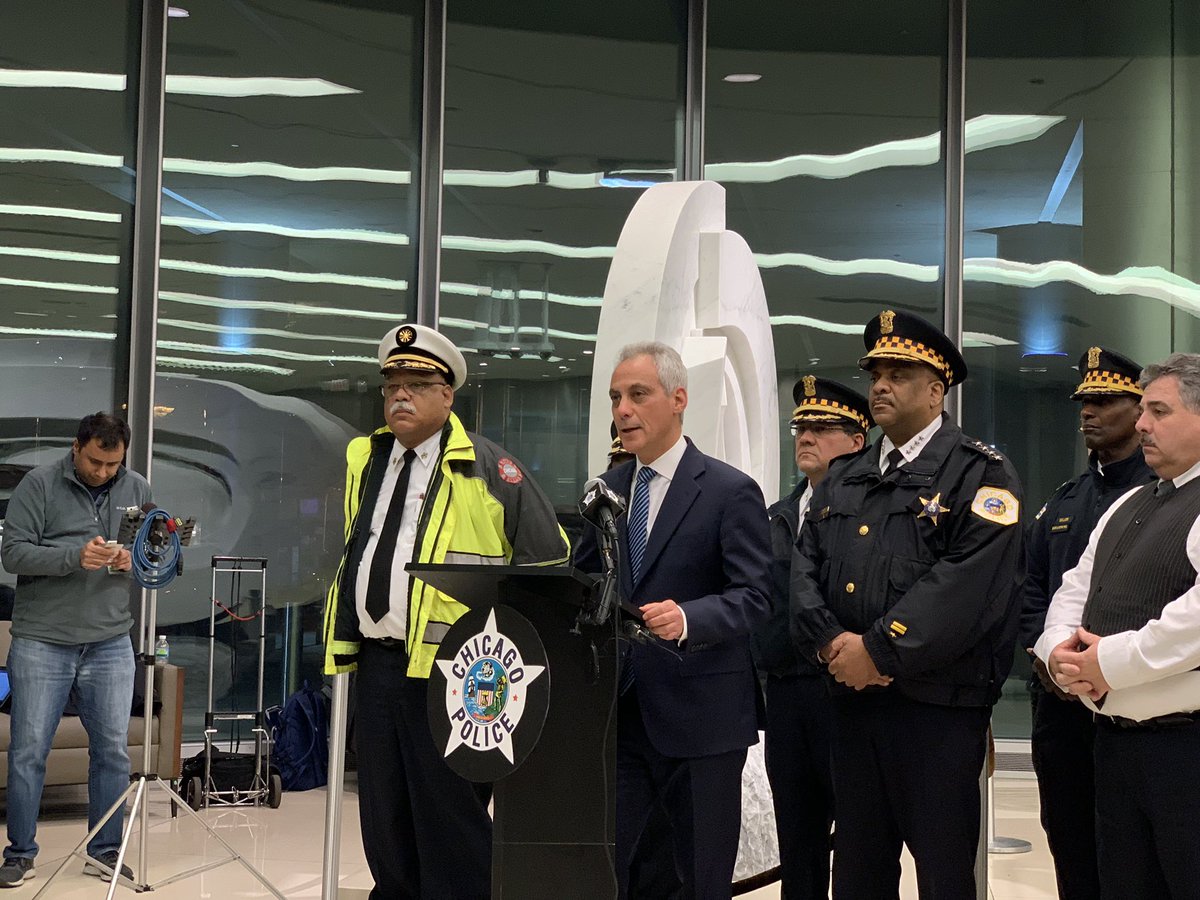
(1075, 665)
(851, 664)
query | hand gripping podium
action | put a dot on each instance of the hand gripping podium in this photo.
(555, 813)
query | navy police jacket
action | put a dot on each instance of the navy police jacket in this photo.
(1059, 534)
(926, 562)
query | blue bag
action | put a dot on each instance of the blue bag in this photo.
(300, 739)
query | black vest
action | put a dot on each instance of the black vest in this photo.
(1141, 561)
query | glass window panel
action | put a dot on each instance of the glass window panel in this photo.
(1073, 237)
(65, 227)
(829, 148)
(288, 215)
(547, 115)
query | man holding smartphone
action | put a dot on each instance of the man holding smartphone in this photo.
(70, 633)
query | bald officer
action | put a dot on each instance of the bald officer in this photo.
(421, 489)
(906, 586)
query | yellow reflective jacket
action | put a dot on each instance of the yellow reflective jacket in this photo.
(482, 506)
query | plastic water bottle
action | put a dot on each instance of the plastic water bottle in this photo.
(162, 651)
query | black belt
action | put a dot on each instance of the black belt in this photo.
(1171, 720)
(389, 643)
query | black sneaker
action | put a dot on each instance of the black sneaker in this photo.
(109, 861)
(16, 870)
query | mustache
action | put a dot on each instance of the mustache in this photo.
(401, 406)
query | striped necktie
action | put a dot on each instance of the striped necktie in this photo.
(639, 517)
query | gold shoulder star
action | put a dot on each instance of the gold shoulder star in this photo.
(932, 508)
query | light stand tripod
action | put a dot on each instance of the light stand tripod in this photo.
(158, 543)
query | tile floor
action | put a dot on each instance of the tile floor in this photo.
(286, 846)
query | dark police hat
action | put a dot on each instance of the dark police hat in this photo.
(903, 336)
(1107, 372)
(418, 348)
(617, 448)
(822, 400)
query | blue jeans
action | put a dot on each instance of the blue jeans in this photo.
(99, 676)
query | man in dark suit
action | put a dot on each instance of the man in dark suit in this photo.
(695, 555)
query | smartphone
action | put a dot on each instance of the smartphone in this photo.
(112, 547)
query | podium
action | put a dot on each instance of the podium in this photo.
(554, 822)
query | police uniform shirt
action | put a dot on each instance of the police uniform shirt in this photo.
(802, 506)
(664, 471)
(912, 447)
(394, 623)
(1151, 670)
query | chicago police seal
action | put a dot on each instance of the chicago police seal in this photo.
(488, 693)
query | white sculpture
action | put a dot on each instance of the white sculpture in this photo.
(679, 277)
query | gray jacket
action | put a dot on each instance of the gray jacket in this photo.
(51, 515)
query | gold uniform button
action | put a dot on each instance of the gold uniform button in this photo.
(850, 587)
(863, 529)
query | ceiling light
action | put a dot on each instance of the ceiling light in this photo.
(177, 12)
(742, 78)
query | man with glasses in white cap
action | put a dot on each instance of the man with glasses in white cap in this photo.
(421, 489)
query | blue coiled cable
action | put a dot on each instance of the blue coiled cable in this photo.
(155, 569)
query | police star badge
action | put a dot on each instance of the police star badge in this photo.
(932, 508)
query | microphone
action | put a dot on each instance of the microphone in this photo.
(600, 505)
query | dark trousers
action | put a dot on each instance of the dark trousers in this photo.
(1063, 735)
(1148, 811)
(906, 773)
(797, 752)
(703, 800)
(426, 830)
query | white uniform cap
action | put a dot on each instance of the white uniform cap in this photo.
(418, 348)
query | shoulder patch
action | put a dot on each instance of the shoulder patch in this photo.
(509, 471)
(996, 505)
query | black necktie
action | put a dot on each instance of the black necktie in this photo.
(1164, 489)
(895, 459)
(379, 584)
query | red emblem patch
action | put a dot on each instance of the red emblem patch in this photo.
(509, 471)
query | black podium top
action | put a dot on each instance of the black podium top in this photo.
(484, 585)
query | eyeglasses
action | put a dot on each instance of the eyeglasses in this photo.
(412, 388)
(817, 429)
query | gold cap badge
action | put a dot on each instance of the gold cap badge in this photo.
(1093, 358)
(810, 385)
(885, 321)
(406, 336)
